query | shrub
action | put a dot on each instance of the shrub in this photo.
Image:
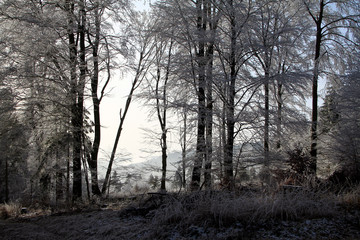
(299, 160)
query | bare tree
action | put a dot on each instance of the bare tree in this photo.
(143, 47)
(233, 53)
(103, 54)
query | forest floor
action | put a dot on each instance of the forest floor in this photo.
(190, 217)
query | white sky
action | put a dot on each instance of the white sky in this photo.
(134, 144)
(132, 136)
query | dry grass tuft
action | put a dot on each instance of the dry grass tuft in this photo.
(10, 210)
(351, 198)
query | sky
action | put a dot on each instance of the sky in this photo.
(132, 139)
(134, 145)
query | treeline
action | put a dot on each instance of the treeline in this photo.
(235, 74)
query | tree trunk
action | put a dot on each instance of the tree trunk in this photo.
(209, 100)
(279, 115)
(59, 178)
(230, 113)
(163, 117)
(183, 149)
(314, 117)
(79, 108)
(164, 160)
(266, 123)
(86, 178)
(96, 104)
(223, 139)
(209, 133)
(162, 120)
(68, 197)
(106, 183)
(200, 141)
(75, 119)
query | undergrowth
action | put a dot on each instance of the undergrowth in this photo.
(224, 209)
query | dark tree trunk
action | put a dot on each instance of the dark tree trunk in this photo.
(163, 117)
(96, 104)
(266, 124)
(183, 149)
(209, 133)
(279, 115)
(314, 117)
(75, 113)
(59, 178)
(163, 160)
(161, 114)
(230, 108)
(106, 183)
(79, 109)
(209, 98)
(200, 141)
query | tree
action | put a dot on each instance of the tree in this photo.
(102, 58)
(277, 34)
(52, 77)
(161, 97)
(38, 79)
(193, 68)
(212, 15)
(143, 46)
(233, 53)
(329, 20)
(157, 87)
(201, 24)
(340, 116)
(78, 86)
(12, 146)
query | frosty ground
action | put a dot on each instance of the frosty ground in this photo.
(197, 216)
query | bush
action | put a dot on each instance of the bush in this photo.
(299, 161)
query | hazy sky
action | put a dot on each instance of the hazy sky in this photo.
(131, 140)
(134, 144)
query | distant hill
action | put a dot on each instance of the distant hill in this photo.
(139, 173)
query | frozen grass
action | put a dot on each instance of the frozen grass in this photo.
(219, 209)
(249, 214)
